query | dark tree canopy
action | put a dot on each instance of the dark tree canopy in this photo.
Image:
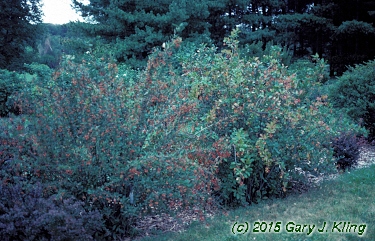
(135, 27)
(18, 27)
(338, 30)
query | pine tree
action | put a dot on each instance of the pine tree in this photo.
(305, 26)
(135, 27)
(18, 30)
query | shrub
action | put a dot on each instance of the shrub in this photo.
(193, 126)
(354, 93)
(113, 138)
(26, 215)
(9, 83)
(346, 149)
(262, 115)
(78, 125)
(34, 72)
(12, 145)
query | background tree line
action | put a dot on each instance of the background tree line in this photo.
(127, 30)
(340, 31)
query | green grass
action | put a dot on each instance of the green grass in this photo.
(350, 198)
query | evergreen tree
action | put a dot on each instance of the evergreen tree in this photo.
(307, 27)
(18, 30)
(354, 34)
(340, 31)
(135, 27)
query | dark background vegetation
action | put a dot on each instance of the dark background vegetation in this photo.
(158, 106)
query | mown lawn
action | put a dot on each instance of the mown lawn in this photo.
(348, 198)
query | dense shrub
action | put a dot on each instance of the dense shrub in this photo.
(354, 93)
(194, 127)
(112, 138)
(9, 83)
(264, 116)
(26, 215)
(15, 81)
(12, 145)
(346, 149)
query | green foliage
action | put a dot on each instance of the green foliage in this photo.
(353, 93)
(34, 73)
(353, 28)
(266, 117)
(257, 50)
(195, 128)
(313, 70)
(133, 28)
(77, 130)
(353, 40)
(309, 30)
(111, 137)
(18, 31)
(10, 82)
(40, 71)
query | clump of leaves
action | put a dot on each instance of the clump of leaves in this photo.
(114, 138)
(79, 125)
(25, 214)
(9, 83)
(264, 116)
(346, 149)
(354, 93)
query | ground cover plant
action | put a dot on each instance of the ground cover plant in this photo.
(198, 128)
(27, 215)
